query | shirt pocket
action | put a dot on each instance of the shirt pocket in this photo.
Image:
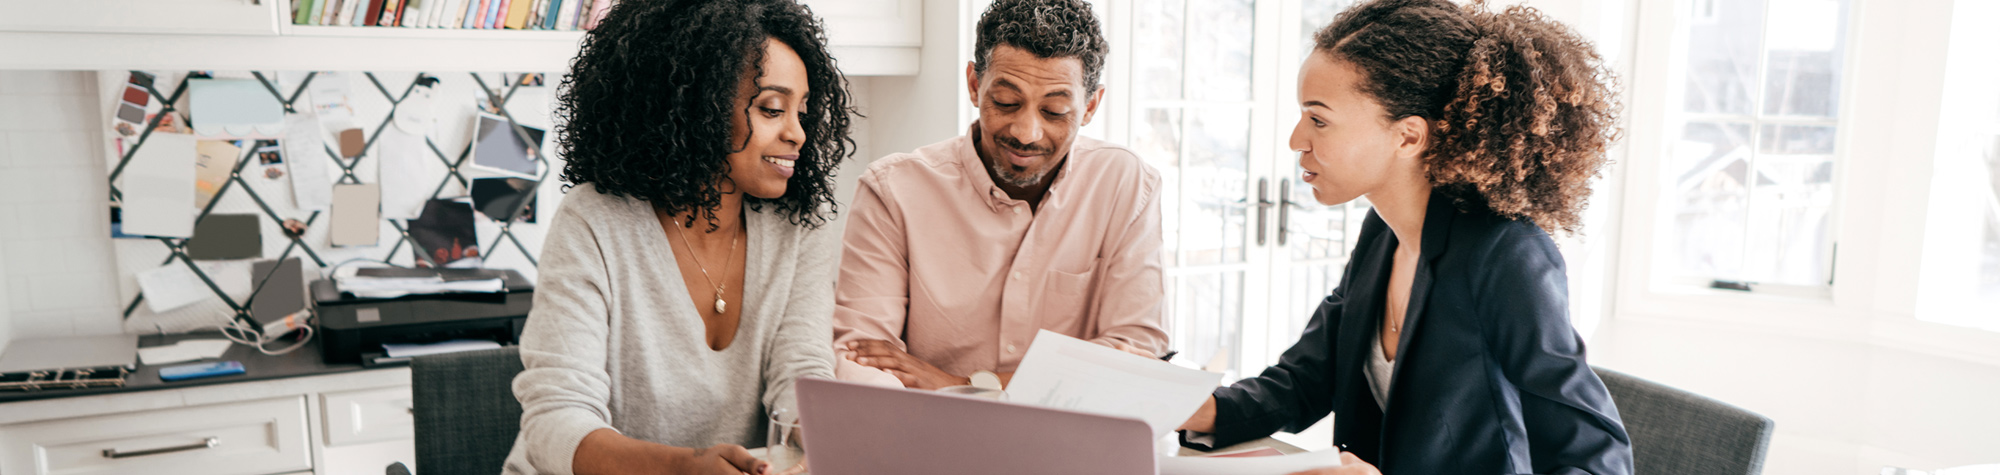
(1066, 297)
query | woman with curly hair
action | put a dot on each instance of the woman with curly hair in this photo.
(1447, 347)
(686, 281)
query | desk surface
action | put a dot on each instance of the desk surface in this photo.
(257, 366)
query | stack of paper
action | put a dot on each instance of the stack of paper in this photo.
(1067, 373)
(381, 283)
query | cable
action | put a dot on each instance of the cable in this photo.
(246, 334)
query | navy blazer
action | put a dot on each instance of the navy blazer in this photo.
(1490, 378)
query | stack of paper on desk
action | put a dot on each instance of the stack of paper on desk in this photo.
(382, 283)
(1067, 373)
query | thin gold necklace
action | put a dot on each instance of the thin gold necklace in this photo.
(721, 306)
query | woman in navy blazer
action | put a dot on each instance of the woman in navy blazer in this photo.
(1447, 347)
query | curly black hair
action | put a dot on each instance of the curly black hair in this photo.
(646, 108)
(1047, 28)
(1522, 109)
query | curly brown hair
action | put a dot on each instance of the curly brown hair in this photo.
(1522, 109)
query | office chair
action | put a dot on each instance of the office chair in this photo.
(466, 414)
(1679, 432)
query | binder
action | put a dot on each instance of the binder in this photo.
(65, 378)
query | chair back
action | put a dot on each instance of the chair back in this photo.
(1679, 432)
(466, 414)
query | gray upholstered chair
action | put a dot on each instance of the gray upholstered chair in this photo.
(1678, 432)
(466, 414)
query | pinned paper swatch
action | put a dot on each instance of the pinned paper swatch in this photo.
(280, 289)
(498, 148)
(405, 185)
(172, 286)
(157, 187)
(234, 107)
(227, 236)
(357, 214)
(306, 150)
(502, 198)
(445, 234)
(214, 161)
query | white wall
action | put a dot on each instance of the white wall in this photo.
(908, 112)
(54, 234)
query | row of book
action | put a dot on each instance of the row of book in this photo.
(457, 14)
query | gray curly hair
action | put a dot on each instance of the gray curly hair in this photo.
(1047, 28)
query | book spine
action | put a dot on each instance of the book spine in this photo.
(494, 10)
(485, 14)
(371, 14)
(466, 15)
(299, 9)
(325, 14)
(517, 14)
(566, 19)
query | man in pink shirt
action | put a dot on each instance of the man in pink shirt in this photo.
(958, 253)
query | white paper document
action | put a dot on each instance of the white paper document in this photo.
(157, 187)
(186, 350)
(172, 286)
(305, 155)
(405, 350)
(1271, 465)
(405, 186)
(1066, 373)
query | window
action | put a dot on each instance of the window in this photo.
(1748, 189)
(1961, 265)
(1190, 113)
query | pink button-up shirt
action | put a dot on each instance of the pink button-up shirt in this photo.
(942, 262)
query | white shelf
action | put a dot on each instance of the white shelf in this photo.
(868, 38)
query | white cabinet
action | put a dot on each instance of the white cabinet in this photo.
(373, 415)
(345, 423)
(203, 17)
(249, 438)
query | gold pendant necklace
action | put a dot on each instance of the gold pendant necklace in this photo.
(721, 306)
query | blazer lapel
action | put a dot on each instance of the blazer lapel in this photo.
(1438, 217)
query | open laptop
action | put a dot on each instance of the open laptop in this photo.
(857, 429)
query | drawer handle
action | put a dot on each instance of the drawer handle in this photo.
(205, 443)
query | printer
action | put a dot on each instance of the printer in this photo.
(353, 329)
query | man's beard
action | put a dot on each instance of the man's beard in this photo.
(1016, 176)
(1020, 178)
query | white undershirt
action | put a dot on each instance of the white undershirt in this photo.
(1380, 374)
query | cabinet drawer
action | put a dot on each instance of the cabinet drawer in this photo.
(252, 437)
(369, 415)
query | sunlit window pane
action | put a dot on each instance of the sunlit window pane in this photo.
(1804, 54)
(1722, 55)
(1750, 179)
(1156, 137)
(1158, 27)
(1217, 165)
(1219, 42)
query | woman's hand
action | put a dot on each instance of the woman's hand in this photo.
(1203, 419)
(1349, 465)
(721, 459)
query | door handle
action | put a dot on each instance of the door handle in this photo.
(204, 444)
(1263, 207)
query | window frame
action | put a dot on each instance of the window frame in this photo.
(1889, 106)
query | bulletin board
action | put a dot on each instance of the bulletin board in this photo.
(428, 160)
